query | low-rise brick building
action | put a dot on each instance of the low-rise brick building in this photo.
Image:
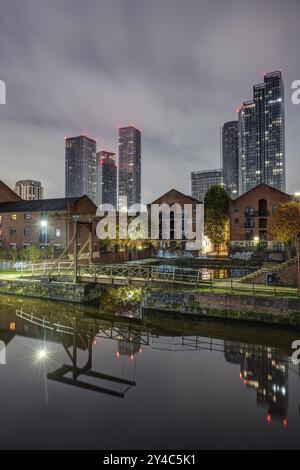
(250, 219)
(171, 198)
(48, 222)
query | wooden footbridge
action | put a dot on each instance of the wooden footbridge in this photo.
(114, 274)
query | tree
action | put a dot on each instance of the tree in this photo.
(285, 225)
(216, 215)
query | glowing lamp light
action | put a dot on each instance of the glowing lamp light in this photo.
(285, 422)
(44, 223)
(269, 418)
(42, 354)
(256, 239)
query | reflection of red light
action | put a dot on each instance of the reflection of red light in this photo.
(245, 382)
(131, 357)
(269, 418)
(95, 342)
(118, 354)
(241, 375)
(285, 422)
(140, 350)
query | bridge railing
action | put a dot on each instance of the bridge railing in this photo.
(98, 272)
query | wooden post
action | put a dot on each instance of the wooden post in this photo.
(91, 243)
(75, 250)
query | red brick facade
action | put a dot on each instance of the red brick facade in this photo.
(7, 194)
(250, 219)
(20, 228)
(175, 197)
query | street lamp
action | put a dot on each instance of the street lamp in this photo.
(44, 224)
(256, 241)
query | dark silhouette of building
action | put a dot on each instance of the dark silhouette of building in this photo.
(230, 158)
(106, 178)
(129, 165)
(201, 181)
(81, 167)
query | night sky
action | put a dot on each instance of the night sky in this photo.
(177, 69)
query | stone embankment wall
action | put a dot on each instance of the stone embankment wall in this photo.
(277, 310)
(63, 291)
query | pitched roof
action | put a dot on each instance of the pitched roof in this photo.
(11, 195)
(41, 205)
(259, 186)
(176, 193)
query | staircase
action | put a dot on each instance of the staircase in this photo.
(268, 268)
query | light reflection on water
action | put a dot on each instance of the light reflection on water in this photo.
(75, 379)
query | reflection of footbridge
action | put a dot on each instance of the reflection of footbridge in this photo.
(138, 334)
(262, 368)
(74, 374)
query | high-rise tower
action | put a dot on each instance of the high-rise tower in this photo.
(262, 136)
(81, 167)
(230, 158)
(129, 165)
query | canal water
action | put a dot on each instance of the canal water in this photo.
(117, 377)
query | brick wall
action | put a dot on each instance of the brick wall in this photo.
(7, 194)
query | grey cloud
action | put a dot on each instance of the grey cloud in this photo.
(176, 69)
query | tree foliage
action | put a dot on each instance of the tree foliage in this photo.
(216, 207)
(285, 225)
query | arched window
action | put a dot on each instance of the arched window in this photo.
(262, 207)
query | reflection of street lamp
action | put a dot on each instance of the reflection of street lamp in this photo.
(44, 224)
(42, 354)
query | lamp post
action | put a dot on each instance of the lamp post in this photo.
(44, 224)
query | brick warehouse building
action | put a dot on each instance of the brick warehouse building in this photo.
(250, 219)
(21, 225)
(176, 197)
(21, 222)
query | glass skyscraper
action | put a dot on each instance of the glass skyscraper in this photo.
(129, 165)
(262, 136)
(203, 180)
(230, 158)
(81, 167)
(107, 178)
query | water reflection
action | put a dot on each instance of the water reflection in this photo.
(262, 368)
(174, 377)
(266, 370)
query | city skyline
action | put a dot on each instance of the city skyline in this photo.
(55, 88)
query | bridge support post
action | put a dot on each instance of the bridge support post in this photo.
(75, 252)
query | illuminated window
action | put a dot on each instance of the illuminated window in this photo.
(13, 216)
